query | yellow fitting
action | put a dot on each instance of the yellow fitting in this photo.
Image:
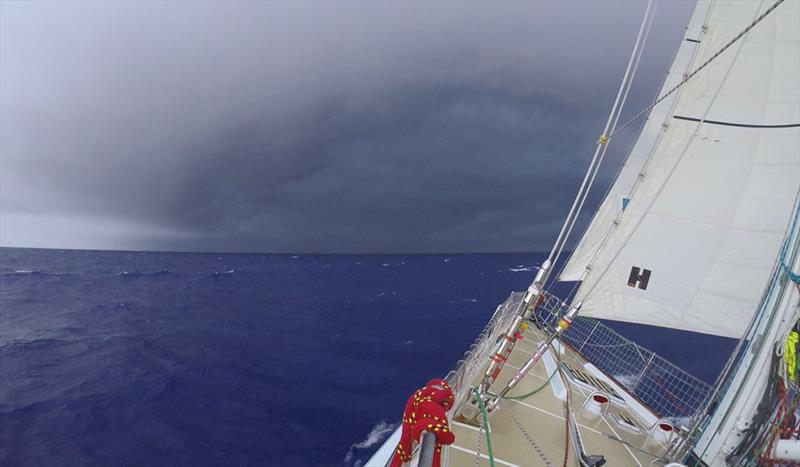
(602, 139)
(523, 327)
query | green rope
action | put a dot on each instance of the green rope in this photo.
(486, 425)
(526, 395)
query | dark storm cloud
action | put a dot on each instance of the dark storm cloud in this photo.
(309, 126)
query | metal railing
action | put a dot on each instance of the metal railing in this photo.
(475, 358)
(667, 390)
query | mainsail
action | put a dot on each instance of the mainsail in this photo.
(688, 233)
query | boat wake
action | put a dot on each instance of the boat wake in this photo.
(360, 452)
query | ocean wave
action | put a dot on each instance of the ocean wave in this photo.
(22, 346)
(465, 300)
(379, 432)
(29, 272)
(218, 273)
(158, 273)
(523, 268)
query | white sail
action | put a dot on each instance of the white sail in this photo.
(619, 193)
(707, 214)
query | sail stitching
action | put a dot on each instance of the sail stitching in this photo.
(692, 74)
(740, 125)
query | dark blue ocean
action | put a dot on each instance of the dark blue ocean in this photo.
(131, 358)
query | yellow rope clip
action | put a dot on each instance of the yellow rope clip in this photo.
(523, 327)
(602, 139)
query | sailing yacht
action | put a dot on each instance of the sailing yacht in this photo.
(698, 232)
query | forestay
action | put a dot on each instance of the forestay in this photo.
(689, 231)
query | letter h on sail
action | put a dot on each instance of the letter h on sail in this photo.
(639, 277)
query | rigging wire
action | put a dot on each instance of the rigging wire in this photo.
(692, 74)
(628, 153)
(686, 78)
(683, 81)
(685, 147)
(530, 393)
(594, 163)
(633, 65)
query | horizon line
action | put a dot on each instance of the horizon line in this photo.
(271, 253)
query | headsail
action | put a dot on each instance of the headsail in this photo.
(704, 215)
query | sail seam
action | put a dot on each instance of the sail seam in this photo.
(739, 125)
(698, 69)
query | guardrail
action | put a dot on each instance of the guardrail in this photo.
(667, 389)
(475, 358)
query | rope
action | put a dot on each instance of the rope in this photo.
(528, 394)
(485, 422)
(692, 74)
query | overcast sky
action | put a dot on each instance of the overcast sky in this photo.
(310, 127)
